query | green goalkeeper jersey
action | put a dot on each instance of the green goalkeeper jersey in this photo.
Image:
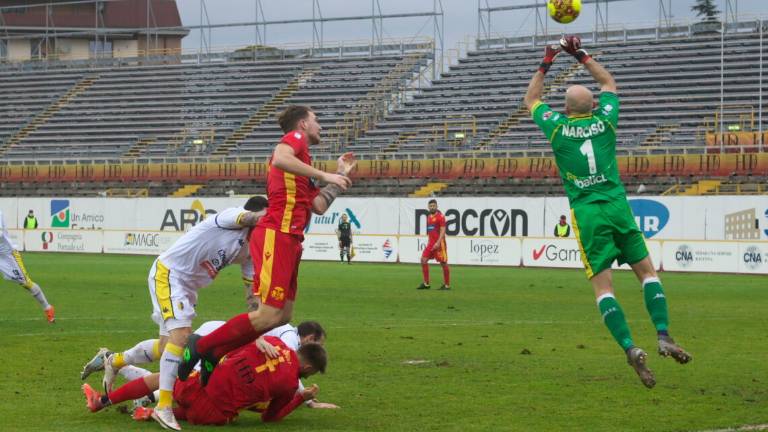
(585, 150)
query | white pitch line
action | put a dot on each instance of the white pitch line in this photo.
(745, 428)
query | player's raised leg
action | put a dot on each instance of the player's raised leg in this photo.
(236, 332)
(656, 304)
(135, 389)
(275, 286)
(12, 268)
(37, 293)
(613, 318)
(146, 351)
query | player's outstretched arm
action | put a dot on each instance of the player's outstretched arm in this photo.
(249, 219)
(285, 159)
(344, 166)
(601, 75)
(321, 405)
(572, 45)
(284, 404)
(536, 86)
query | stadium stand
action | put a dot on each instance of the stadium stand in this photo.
(669, 88)
(176, 110)
(670, 91)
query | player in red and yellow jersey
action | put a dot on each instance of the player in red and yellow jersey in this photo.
(245, 379)
(436, 249)
(276, 241)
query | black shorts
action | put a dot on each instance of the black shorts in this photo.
(345, 242)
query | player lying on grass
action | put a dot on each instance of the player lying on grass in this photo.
(584, 145)
(244, 379)
(193, 262)
(12, 268)
(292, 337)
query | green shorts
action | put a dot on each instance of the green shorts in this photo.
(606, 231)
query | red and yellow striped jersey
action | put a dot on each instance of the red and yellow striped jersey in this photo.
(290, 196)
(434, 223)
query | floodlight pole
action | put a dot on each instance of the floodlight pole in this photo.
(483, 21)
(731, 12)
(438, 40)
(203, 18)
(317, 17)
(377, 26)
(600, 18)
(665, 15)
(260, 36)
(540, 21)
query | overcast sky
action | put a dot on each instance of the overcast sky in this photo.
(460, 18)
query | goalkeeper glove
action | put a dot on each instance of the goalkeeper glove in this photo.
(572, 45)
(550, 52)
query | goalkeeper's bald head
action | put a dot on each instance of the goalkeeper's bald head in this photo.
(578, 101)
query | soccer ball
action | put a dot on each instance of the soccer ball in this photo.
(564, 11)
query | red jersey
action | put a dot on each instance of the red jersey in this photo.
(290, 196)
(434, 223)
(246, 378)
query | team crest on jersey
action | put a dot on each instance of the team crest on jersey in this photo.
(546, 115)
(267, 256)
(278, 294)
(297, 135)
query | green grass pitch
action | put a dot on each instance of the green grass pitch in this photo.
(474, 375)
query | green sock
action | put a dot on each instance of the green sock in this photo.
(613, 317)
(656, 303)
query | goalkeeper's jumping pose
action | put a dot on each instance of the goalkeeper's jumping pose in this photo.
(584, 144)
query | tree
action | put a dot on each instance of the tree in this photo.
(706, 9)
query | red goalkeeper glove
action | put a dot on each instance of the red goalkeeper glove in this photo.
(572, 45)
(550, 52)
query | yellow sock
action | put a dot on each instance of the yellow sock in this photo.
(156, 350)
(118, 360)
(166, 399)
(168, 367)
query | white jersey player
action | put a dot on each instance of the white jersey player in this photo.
(12, 268)
(176, 276)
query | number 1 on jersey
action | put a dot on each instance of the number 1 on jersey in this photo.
(587, 150)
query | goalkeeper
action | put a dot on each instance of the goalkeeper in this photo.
(584, 144)
(344, 234)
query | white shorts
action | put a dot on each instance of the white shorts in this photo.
(208, 327)
(12, 268)
(173, 304)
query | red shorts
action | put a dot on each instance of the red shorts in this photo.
(194, 405)
(440, 254)
(276, 258)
